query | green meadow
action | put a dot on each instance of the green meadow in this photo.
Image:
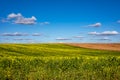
(57, 62)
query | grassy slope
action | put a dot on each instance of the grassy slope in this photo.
(57, 62)
(47, 50)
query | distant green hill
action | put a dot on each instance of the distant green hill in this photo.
(47, 50)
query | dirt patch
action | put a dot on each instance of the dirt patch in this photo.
(103, 46)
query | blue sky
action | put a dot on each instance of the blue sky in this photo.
(82, 21)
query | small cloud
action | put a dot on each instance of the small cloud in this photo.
(118, 21)
(28, 39)
(19, 19)
(15, 34)
(93, 33)
(36, 34)
(26, 21)
(105, 33)
(78, 37)
(4, 20)
(18, 39)
(44, 23)
(109, 33)
(63, 39)
(13, 15)
(105, 38)
(5, 38)
(95, 25)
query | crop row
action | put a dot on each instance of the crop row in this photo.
(79, 68)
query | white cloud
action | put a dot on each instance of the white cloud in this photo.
(13, 15)
(78, 37)
(118, 21)
(25, 20)
(95, 25)
(105, 33)
(5, 38)
(28, 39)
(44, 23)
(19, 19)
(109, 33)
(93, 33)
(18, 39)
(36, 34)
(63, 39)
(4, 20)
(104, 38)
(14, 34)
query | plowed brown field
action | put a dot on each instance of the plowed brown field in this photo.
(101, 46)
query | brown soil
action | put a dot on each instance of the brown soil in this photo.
(101, 46)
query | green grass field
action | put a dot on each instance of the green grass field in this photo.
(57, 62)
